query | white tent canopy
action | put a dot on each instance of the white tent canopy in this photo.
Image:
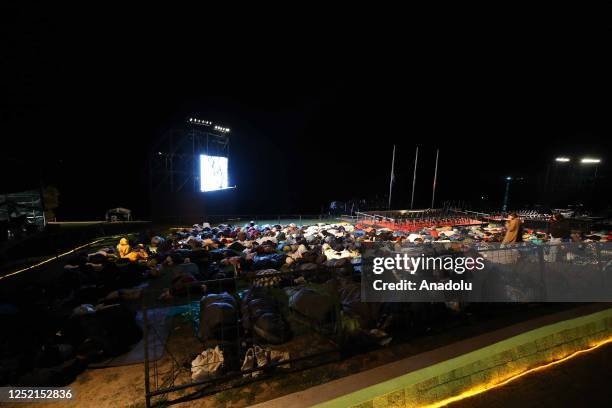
(119, 214)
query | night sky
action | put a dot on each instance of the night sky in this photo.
(313, 119)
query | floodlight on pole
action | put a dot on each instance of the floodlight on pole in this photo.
(506, 194)
(200, 122)
(589, 160)
(222, 129)
(562, 159)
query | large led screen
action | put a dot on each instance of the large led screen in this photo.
(213, 173)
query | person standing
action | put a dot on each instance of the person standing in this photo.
(559, 231)
(514, 230)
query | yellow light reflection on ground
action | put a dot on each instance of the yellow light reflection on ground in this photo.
(492, 385)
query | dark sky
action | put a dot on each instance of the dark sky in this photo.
(313, 117)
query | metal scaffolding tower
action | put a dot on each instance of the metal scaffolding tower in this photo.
(175, 159)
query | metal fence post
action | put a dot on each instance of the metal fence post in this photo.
(145, 331)
(600, 267)
(540, 250)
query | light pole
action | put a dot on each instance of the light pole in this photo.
(590, 160)
(505, 205)
(416, 158)
(559, 176)
(587, 161)
(575, 186)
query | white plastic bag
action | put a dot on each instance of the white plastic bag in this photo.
(206, 364)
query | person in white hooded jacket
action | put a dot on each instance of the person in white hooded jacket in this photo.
(330, 253)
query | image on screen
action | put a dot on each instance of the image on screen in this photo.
(213, 173)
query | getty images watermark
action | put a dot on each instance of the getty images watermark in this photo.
(567, 272)
(411, 264)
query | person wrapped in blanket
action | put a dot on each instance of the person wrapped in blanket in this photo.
(185, 277)
(125, 251)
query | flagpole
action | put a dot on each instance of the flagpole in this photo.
(392, 176)
(433, 193)
(416, 158)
